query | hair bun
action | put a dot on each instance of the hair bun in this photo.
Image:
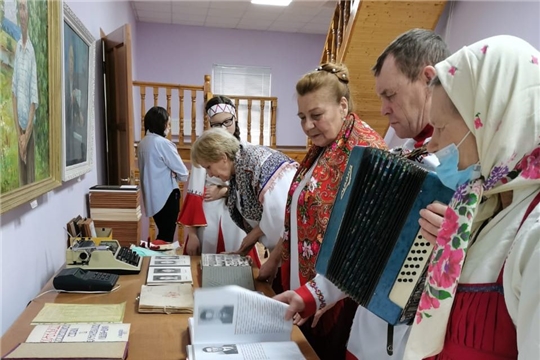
(340, 70)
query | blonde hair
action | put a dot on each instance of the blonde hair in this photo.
(331, 76)
(212, 145)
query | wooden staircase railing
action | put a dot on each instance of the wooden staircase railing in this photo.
(339, 31)
(360, 30)
(180, 91)
(262, 102)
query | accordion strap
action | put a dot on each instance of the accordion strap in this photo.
(529, 210)
(390, 340)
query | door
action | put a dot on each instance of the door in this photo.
(117, 83)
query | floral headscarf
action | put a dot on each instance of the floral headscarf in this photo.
(495, 85)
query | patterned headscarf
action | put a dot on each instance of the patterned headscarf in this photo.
(495, 85)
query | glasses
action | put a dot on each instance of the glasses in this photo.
(226, 123)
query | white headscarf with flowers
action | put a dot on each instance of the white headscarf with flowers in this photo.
(495, 85)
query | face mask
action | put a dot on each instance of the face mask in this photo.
(166, 132)
(448, 171)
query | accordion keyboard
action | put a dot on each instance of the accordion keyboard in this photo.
(411, 271)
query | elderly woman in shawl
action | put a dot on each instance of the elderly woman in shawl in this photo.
(327, 117)
(481, 300)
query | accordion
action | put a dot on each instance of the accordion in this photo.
(372, 249)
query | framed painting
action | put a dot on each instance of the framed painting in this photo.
(79, 59)
(30, 109)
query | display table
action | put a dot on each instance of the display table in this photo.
(152, 336)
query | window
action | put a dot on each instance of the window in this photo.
(246, 81)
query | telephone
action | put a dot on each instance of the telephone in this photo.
(77, 279)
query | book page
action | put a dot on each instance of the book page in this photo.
(80, 313)
(286, 350)
(79, 333)
(237, 315)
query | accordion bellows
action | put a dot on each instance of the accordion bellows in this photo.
(372, 249)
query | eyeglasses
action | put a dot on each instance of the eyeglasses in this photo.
(226, 123)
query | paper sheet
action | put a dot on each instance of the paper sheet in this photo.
(80, 313)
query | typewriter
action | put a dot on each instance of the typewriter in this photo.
(107, 257)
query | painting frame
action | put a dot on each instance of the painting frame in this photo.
(83, 36)
(27, 193)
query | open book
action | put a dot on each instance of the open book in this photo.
(240, 323)
(226, 269)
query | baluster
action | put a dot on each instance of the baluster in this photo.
(207, 89)
(143, 109)
(339, 28)
(328, 55)
(261, 122)
(168, 94)
(348, 5)
(193, 116)
(237, 106)
(333, 46)
(156, 95)
(249, 119)
(181, 116)
(273, 124)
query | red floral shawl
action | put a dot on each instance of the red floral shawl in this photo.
(317, 198)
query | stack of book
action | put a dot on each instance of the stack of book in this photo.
(168, 286)
(226, 269)
(117, 207)
(169, 270)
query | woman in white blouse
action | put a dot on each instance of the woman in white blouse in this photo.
(160, 169)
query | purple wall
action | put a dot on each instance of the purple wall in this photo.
(33, 241)
(184, 54)
(471, 21)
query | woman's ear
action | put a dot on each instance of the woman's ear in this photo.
(344, 104)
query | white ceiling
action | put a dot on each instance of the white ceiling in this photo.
(301, 16)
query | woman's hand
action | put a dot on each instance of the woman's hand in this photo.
(214, 192)
(430, 221)
(268, 270)
(295, 301)
(193, 244)
(298, 320)
(249, 241)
